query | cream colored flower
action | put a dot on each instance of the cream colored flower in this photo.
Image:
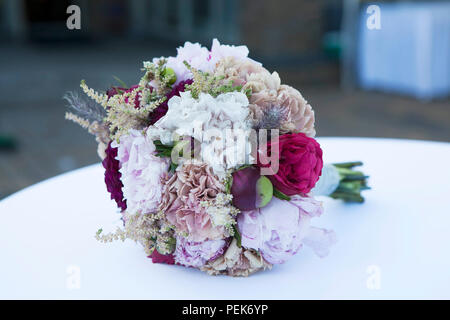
(299, 114)
(237, 70)
(286, 110)
(236, 262)
(248, 73)
(263, 81)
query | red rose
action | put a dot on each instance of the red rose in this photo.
(300, 163)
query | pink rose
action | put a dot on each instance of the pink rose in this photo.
(300, 164)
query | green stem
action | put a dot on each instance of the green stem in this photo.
(351, 184)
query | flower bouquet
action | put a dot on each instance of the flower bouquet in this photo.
(213, 162)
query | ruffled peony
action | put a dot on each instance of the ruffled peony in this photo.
(201, 58)
(196, 254)
(183, 192)
(112, 176)
(221, 51)
(279, 229)
(194, 54)
(142, 172)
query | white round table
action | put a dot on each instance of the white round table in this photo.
(394, 246)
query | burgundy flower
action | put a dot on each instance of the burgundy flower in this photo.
(250, 190)
(112, 177)
(161, 258)
(300, 164)
(114, 90)
(161, 110)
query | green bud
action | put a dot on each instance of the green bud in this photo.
(264, 189)
(169, 75)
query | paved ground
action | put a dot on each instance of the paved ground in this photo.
(33, 80)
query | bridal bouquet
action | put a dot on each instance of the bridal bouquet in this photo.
(213, 162)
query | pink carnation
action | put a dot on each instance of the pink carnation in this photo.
(279, 229)
(182, 194)
(194, 222)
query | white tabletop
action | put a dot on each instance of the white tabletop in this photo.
(395, 245)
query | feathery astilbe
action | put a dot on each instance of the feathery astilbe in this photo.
(210, 83)
(84, 108)
(147, 229)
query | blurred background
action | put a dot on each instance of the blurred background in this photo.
(367, 71)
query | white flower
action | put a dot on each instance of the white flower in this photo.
(207, 119)
(193, 53)
(141, 172)
(220, 51)
(221, 211)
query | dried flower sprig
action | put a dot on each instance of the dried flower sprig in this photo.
(222, 212)
(147, 229)
(100, 98)
(78, 120)
(161, 76)
(207, 83)
(123, 115)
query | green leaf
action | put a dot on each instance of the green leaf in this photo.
(172, 167)
(163, 150)
(228, 184)
(348, 165)
(280, 195)
(123, 84)
(237, 235)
